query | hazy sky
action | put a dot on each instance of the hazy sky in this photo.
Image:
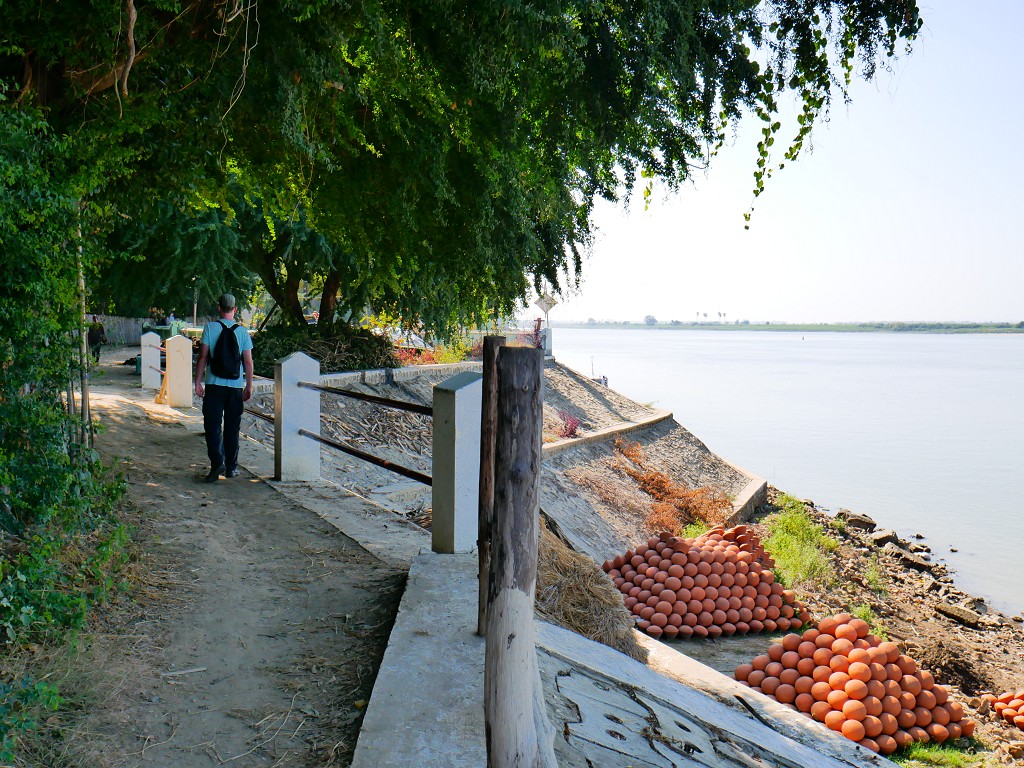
(908, 207)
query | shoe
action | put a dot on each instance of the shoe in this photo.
(233, 472)
(214, 475)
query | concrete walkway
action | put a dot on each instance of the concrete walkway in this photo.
(609, 710)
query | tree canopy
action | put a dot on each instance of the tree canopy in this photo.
(449, 154)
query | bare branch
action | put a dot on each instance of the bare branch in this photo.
(132, 16)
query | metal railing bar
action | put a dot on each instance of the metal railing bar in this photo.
(412, 474)
(258, 414)
(401, 405)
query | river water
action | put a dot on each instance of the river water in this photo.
(923, 432)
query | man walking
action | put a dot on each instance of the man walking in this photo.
(97, 337)
(228, 386)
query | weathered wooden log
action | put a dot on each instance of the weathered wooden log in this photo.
(488, 423)
(518, 731)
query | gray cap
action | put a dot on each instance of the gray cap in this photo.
(226, 301)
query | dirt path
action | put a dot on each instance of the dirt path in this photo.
(257, 629)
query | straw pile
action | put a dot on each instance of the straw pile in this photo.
(843, 676)
(574, 594)
(717, 584)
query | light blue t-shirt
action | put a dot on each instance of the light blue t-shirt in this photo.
(211, 332)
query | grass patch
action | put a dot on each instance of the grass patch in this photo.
(693, 530)
(918, 755)
(799, 545)
(864, 612)
(874, 576)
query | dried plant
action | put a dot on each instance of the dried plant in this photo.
(576, 594)
(675, 505)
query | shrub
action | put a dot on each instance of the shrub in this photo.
(569, 426)
(455, 351)
(22, 702)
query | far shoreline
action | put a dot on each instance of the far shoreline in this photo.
(743, 325)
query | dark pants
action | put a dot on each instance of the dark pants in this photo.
(222, 404)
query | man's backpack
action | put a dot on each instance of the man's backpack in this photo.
(226, 362)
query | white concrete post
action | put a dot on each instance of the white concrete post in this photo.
(296, 457)
(151, 378)
(545, 341)
(456, 463)
(179, 372)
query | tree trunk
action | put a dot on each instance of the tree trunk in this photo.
(291, 305)
(83, 351)
(329, 299)
(285, 293)
(519, 734)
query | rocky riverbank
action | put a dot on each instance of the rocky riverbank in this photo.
(970, 648)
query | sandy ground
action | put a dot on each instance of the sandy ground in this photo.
(255, 632)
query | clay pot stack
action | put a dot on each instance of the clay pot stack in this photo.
(1010, 706)
(715, 585)
(843, 676)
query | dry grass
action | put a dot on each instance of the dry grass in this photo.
(577, 595)
(675, 505)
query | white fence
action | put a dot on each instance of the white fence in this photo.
(456, 448)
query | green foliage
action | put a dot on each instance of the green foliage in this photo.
(48, 584)
(23, 703)
(924, 755)
(338, 348)
(450, 156)
(694, 529)
(172, 257)
(39, 475)
(456, 350)
(798, 544)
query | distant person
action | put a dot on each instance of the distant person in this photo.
(97, 338)
(228, 369)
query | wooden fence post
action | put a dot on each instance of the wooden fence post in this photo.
(518, 732)
(488, 424)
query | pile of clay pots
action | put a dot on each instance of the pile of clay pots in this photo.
(715, 585)
(1010, 707)
(843, 676)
